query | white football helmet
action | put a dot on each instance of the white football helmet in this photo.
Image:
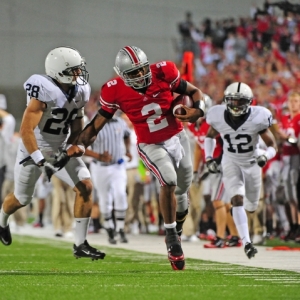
(66, 65)
(238, 97)
(133, 67)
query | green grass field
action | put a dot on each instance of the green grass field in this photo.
(42, 269)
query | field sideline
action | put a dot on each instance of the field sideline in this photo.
(281, 260)
(44, 269)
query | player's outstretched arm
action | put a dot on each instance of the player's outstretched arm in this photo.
(87, 136)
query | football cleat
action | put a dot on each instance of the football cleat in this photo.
(234, 241)
(85, 250)
(175, 253)
(216, 243)
(111, 236)
(123, 238)
(5, 235)
(250, 250)
(38, 225)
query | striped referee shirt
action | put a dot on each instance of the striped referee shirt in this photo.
(111, 139)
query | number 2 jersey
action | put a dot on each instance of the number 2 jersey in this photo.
(240, 138)
(150, 113)
(61, 108)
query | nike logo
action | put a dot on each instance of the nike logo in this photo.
(243, 128)
(77, 101)
(155, 95)
(86, 252)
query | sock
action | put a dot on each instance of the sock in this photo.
(120, 224)
(96, 224)
(172, 225)
(41, 218)
(81, 228)
(241, 222)
(109, 223)
(3, 218)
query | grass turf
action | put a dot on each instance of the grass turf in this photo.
(42, 269)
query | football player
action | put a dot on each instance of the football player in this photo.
(213, 187)
(240, 126)
(145, 93)
(289, 132)
(52, 120)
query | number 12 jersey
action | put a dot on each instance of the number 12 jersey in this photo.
(240, 138)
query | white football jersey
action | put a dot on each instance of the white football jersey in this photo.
(240, 140)
(61, 109)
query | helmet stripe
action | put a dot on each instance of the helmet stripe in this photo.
(239, 86)
(132, 54)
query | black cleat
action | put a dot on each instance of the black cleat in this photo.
(250, 250)
(123, 238)
(5, 235)
(85, 250)
(234, 241)
(111, 236)
(175, 253)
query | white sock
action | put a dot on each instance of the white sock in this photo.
(172, 225)
(241, 222)
(3, 218)
(81, 228)
(109, 224)
(120, 224)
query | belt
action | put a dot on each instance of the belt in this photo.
(104, 164)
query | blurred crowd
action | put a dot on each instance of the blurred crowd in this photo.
(261, 50)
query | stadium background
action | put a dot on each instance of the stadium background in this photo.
(29, 29)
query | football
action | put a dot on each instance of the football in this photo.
(179, 101)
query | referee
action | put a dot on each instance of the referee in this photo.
(108, 174)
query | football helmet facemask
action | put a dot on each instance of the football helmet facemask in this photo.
(133, 67)
(238, 97)
(67, 66)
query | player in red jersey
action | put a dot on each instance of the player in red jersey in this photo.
(290, 131)
(144, 93)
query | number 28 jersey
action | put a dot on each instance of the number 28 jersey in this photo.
(150, 113)
(240, 140)
(61, 109)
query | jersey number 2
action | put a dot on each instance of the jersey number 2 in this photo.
(155, 122)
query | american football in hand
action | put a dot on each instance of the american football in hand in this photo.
(179, 101)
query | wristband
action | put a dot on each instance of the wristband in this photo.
(201, 105)
(37, 156)
(209, 146)
(270, 152)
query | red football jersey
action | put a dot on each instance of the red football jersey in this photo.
(150, 113)
(200, 134)
(291, 126)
